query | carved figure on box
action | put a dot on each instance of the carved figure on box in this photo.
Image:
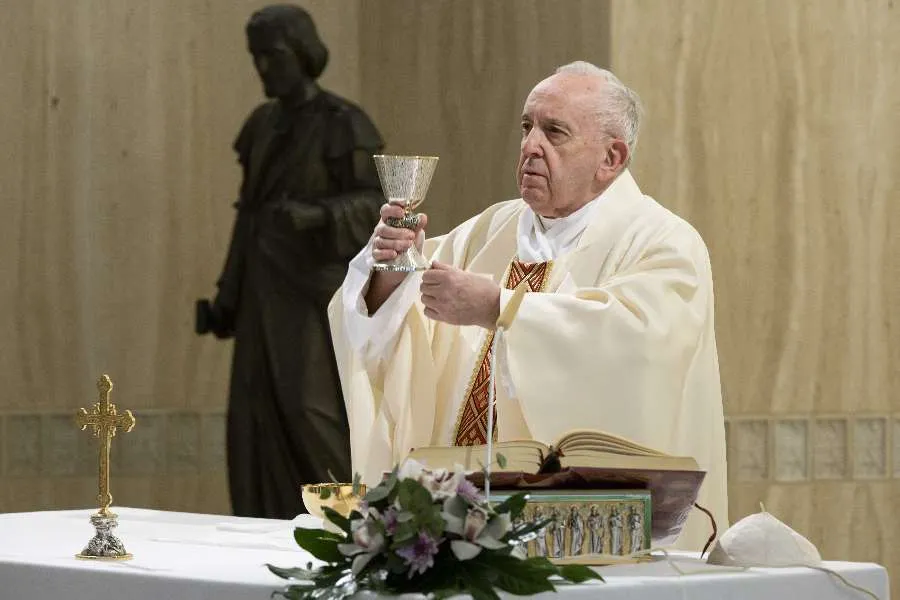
(540, 543)
(309, 199)
(596, 524)
(576, 526)
(557, 533)
(616, 527)
(636, 526)
(517, 523)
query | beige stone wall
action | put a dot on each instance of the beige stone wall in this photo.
(771, 126)
(117, 183)
(449, 78)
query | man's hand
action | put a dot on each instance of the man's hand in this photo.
(459, 298)
(387, 243)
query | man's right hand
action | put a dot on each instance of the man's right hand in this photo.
(387, 244)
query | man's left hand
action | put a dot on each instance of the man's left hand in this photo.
(459, 298)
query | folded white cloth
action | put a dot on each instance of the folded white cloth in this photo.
(761, 540)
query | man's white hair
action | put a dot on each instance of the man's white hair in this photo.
(618, 106)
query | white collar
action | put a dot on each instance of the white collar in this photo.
(540, 238)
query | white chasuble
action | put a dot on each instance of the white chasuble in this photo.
(621, 339)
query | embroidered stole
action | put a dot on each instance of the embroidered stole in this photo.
(471, 422)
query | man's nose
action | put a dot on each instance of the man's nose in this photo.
(531, 143)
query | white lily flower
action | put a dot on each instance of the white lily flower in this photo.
(452, 523)
(440, 482)
(360, 562)
(368, 537)
(410, 469)
(499, 526)
(476, 521)
(464, 550)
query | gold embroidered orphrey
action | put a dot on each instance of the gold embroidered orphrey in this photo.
(471, 423)
(104, 421)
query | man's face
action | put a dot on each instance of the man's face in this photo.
(563, 147)
(278, 66)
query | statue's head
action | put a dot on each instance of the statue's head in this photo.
(286, 48)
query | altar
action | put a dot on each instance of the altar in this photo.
(193, 556)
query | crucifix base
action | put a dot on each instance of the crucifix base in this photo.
(104, 545)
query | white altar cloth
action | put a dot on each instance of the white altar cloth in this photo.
(193, 557)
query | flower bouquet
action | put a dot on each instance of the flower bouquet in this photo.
(427, 532)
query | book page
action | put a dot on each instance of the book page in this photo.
(581, 458)
(588, 439)
(520, 455)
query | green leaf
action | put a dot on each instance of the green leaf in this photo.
(377, 494)
(477, 582)
(480, 590)
(520, 577)
(540, 564)
(395, 564)
(332, 477)
(382, 490)
(514, 505)
(328, 575)
(404, 533)
(501, 460)
(457, 507)
(413, 496)
(338, 519)
(433, 521)
(292, 573)
(354, 515)
(578, 573)
(325, 493)
(320, 543)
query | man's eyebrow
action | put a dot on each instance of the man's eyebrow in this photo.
(557, 123)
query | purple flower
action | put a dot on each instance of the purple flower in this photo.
(469, 492)
(390, 520)
(419, 555)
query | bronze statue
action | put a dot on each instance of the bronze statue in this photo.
(309, 199)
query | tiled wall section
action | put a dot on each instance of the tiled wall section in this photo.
(173, 460)
(830, 447)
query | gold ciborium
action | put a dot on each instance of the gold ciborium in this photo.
(340, 498)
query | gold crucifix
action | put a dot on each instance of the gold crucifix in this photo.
(104, 421)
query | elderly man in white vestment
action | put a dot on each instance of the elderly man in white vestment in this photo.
(615, 330)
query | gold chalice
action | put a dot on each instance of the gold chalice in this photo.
(341, 498)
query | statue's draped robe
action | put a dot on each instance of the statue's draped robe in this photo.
(286, 419)
(621, 340)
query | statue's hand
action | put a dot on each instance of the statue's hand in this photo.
(215, 318)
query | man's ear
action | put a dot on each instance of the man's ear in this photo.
(616, 156)
(613, 162)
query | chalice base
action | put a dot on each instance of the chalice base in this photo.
(408, 262)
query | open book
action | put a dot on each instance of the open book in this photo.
(578, 448)
(584, 459)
